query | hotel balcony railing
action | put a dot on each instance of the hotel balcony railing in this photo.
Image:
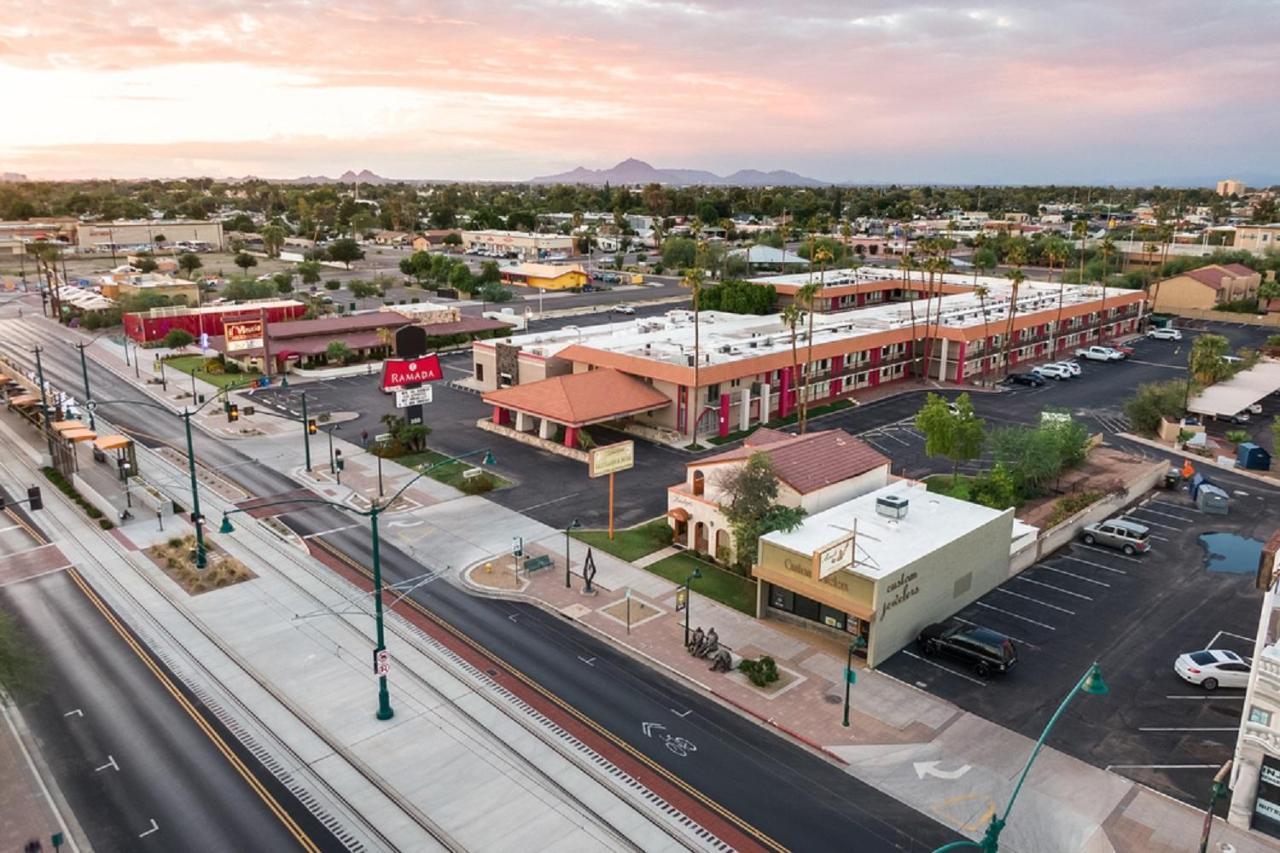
(1268, 681)
(1262, 736)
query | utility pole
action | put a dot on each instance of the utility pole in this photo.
(88, 395)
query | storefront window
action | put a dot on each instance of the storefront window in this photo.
(833, 618)
(783, 599)
(1266, 809)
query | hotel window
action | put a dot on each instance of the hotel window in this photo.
(713, 392)
(1259, 716)
(479, 372)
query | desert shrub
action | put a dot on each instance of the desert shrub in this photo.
(761, 673)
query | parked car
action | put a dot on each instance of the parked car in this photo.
(1099, 353)
(1033, 379)
(1053, 371)
(983, 649)
(1124, 350)
(1213, 668)
(624, 309)
(1071, 365)
(1119, 533)
(1166, 334)
(1239, 417)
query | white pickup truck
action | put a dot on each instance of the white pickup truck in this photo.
(1098, 353)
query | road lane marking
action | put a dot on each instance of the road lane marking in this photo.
(75, 711)
(1052, 587)
(154, 828)
(1015, 615)
(1091, 563)
(1036, 601)
(221, 745)
(1147, 508)
(587, 661)
(1073, 575)
(1216, 636)
(1149, 522)
(111, 762)
(1159, 766)
(1189, 729)
(944, 668)
(552, 501)
(330, 530)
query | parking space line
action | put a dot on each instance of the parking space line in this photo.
(1014, 615)
(1109, 553)
(1160, 766)
(1054, 588)
(1202, 696)
(1189, 729)
(1152, 523)
(1035, 601)
(1091, 563)
(1229, 634)
(945, 668)
(1072, 575)
(1010, 636)
(1147, 508)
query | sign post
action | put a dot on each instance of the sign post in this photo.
(611, 459)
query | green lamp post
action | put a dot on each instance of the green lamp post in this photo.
(1092, 684)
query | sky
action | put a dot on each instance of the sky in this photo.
(861, 90)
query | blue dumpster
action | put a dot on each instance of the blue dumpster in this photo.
(1253, 457)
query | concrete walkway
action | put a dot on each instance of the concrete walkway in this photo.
(924, 751)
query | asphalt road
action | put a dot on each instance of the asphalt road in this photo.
(800, 800)
(141, 768)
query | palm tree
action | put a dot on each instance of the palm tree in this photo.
(1108, 246)
(791, 317)
(1016, 257)
(982, 292)
(939, 265)
(809, 294)
(1057, 251)
(272, 239)
(1080, 230)
(693, 280)
(907, 264)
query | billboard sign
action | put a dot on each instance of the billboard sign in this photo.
(242, 334)
(612, 458)
(406, 397)
(399, 372)
(834, 557)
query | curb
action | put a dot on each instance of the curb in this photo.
(650, 660)
(1198, 460)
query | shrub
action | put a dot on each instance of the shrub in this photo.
(476, 485)
(761, 673)
(175, 542)
(1237, 436)
(332, 284)
(232, 368)
(1070, 505)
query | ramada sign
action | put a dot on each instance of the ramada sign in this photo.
(399, 372)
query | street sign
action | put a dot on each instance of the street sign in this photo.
(242, 334)
(682, 599)
(517, 546)
(406, 397)
(851, 676)
(91, 405)
(611, 458)
(398, 372)
(381, 662)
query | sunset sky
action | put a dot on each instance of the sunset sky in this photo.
(865, 91)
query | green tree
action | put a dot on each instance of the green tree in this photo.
(1154, 401)
(339, 352)
(957, 435)
(461, 279)
(492, 291)
(308, 271)
(244, 289)
(453, 238)
(490, 273)
(679, 252)
(272, 239)
(332, 284)
(750, 492)
(189, 262)
(345, 250)
(1207, 361)
(362, 289)
(178, 338)
(245, 261)
(283, 282)
(146, 263)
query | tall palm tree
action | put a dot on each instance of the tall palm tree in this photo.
(940, 265)
(1016, 257)
(791, 317)
(1057, 251)
(1108, 246)
(907, 264)
(982, 292)
(809, 295)
(1080, 230)
(930, 265)
(693, 280)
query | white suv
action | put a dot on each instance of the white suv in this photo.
(1168, 333)
(1053, 371)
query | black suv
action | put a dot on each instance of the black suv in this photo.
(985, 650)
(1024, 379)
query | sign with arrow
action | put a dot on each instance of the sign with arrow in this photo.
(933, 768)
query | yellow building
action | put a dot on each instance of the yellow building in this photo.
(1231, 187)
(174, 288)
(546, 276)
(1257, 238)
(1205, 288)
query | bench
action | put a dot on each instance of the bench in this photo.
(532, 564)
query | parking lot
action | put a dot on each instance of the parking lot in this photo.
(1134, 615)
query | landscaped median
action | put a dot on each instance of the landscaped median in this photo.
(200, 366)
(633, 543)
(454, 473)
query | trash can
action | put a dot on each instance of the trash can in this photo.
(1212, 500)
(1171, 478)
(1253, 457)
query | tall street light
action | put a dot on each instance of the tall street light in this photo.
(849, 677)
(574, 525)
(697, 573)
(375, 510)
(1091, 683)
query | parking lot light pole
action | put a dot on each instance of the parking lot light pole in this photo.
(697, 573)
(572, 526)
(1091, 683)
(858, 643)
(385, 711)
(306, 432)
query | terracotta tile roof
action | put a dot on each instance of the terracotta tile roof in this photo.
(1213, 274)
(809, 462)
(1239, 269)
(578, 399)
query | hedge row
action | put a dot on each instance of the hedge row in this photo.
(54, 476)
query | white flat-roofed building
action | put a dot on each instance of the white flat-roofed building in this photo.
(526, 245)
(884, 565)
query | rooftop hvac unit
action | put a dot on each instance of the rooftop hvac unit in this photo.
(892, 506)
(725, 349)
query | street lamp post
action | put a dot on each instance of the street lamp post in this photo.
(44, 399)
(385, 711)
(331, 431)
(688, 585)
(573, 526)
(857, 643)
(1218, 790)
(84, 371)
(306, 432)
(1091, 683)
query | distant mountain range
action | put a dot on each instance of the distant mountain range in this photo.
(364, 176)
(632, 171)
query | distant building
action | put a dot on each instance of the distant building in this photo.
(525, 245)
(124, 286)
(153, 325)
(431, 239)
(1257, 238)
(768, 256)
(815, 471)
(860, 287)
(545, 276)
(1231, 187)
(884, 565)
(12, 177)
(102, 236)
(1205, 288)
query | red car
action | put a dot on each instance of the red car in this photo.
(1128, 351)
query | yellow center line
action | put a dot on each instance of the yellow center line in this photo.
(196, 716)
(600, 730)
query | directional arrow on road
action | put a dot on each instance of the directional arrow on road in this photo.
(650, 728)
(930, 768)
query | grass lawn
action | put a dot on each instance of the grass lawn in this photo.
(188, 363)
(725, 587)
(450, 474)
(632, 543)
(778, 423)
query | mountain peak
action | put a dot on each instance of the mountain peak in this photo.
(635, 171)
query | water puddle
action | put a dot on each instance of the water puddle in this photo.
(1231, 552)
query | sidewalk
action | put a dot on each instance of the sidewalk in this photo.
(27, 807)
(895, 731)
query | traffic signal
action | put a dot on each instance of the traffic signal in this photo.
(34, 501)
(338, 460)
(233, 413)
(311, 426)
